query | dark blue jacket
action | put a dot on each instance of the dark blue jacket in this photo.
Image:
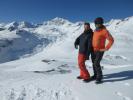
(84, 41)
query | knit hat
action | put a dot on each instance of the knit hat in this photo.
(86, 23)
(99, 20)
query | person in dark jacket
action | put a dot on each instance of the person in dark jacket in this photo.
(84, 41)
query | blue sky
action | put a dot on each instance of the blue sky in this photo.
(38, 11)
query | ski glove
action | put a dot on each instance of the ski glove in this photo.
(76, 46)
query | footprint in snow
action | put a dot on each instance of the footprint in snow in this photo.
(122, 96)
(22, 95)
(126, 98)
(12, 95)
(119, 93)
(127, 84)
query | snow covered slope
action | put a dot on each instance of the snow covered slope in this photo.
(47, 69)
(18, 40)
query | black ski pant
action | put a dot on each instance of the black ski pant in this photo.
(96, 58)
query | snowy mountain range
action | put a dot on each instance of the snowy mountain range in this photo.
(39, 62)
(20, 39)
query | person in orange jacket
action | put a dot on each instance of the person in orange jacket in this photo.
(84, 42)
(101, 34)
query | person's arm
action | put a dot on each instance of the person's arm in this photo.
(89, 45)
(76, 43)
(110, 41)
(90, 42)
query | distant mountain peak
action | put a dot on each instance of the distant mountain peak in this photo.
(57, 21)
(14, 23)
(128, 18)
(25, 24)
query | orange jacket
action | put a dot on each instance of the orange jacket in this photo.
(99, 39)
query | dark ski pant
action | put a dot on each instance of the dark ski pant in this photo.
(96, 58)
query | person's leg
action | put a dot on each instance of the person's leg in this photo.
(94, 69)
(83, 71)
(99, 56)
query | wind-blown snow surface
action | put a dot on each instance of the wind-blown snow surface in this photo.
(43, 62)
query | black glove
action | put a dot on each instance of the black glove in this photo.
(76, 46)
